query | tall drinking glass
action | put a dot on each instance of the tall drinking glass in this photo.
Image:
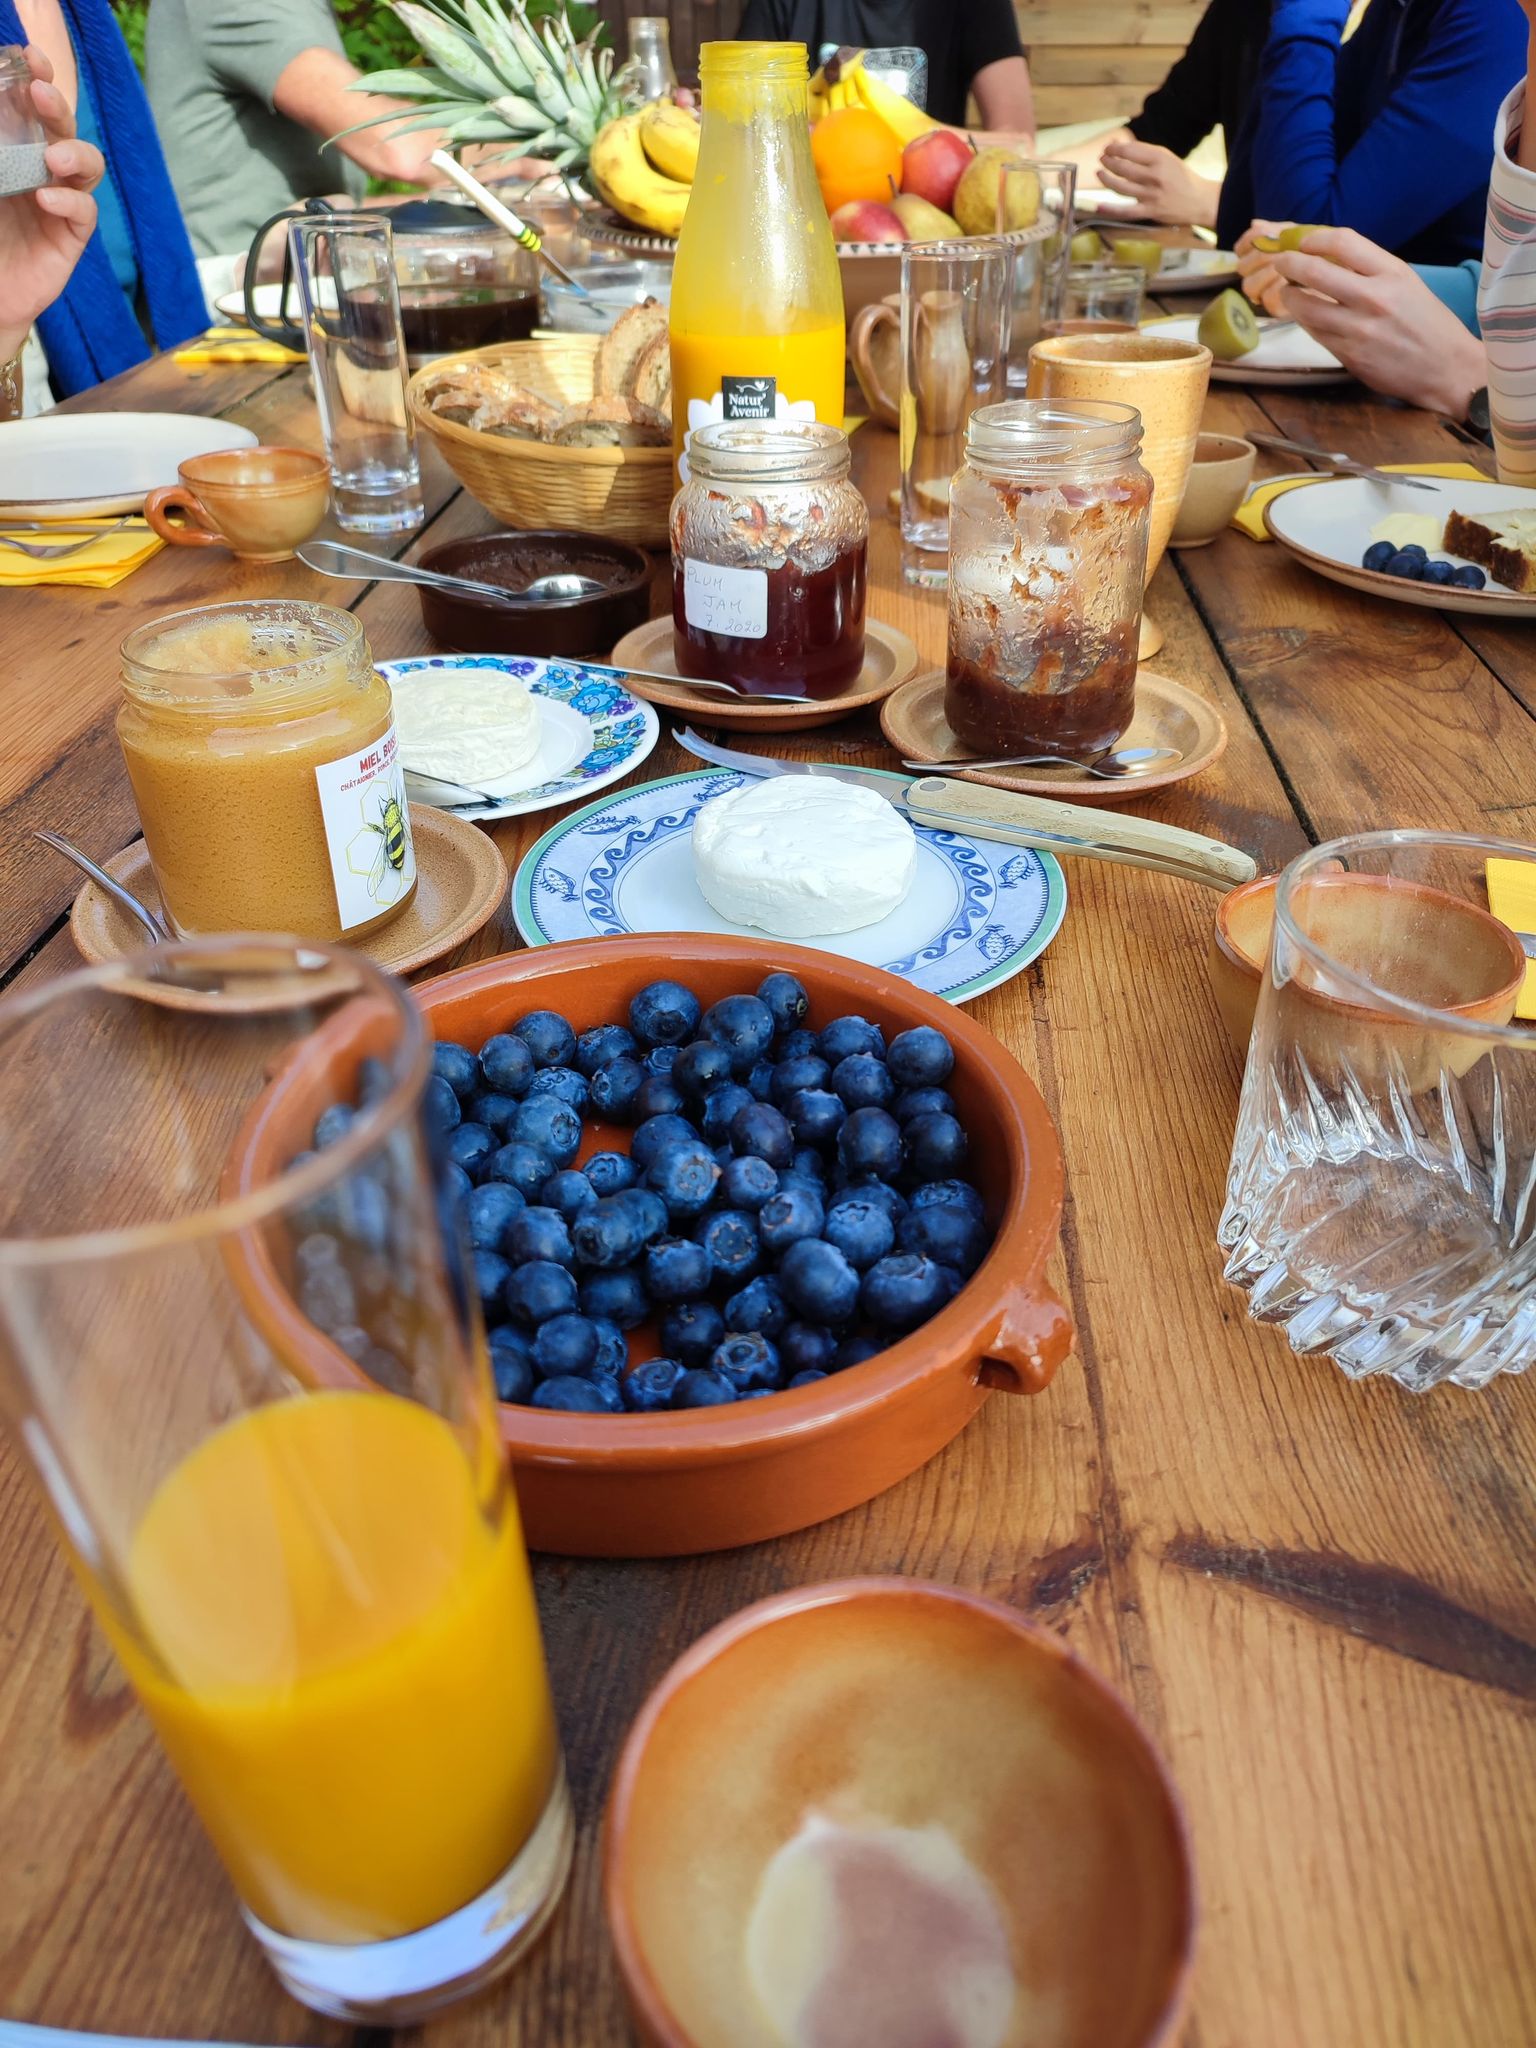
(954, 357)
(238, 1349)
(1042, 195)
(345, 268)
(1381, 1203)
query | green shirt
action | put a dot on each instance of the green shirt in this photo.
(211, 67)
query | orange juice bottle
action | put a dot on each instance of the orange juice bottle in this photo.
(757, 300)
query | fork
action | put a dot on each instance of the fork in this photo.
(74, 547)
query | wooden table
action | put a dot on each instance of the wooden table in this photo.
(1318, 1595)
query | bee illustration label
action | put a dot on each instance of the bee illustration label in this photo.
(749, 398)
(367, 830)
(720, 599)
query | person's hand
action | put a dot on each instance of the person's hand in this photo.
(1161, 183)
(1374, 311)
(42, 233)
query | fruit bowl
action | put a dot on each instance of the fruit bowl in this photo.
(678, 1482)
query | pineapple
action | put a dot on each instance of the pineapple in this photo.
(493, 75)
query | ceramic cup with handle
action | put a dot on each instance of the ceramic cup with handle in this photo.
(874, 348)
(260, 503)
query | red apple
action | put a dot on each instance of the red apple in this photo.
(933, 164)
(865, 220)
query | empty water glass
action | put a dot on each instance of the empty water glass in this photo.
(1100, 298)
(1381, 1203)
(1041, 196)
(345, 268)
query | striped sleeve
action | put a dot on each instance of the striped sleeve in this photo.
(1506, 300)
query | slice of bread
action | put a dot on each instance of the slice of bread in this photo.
(612, 423)
(621, 348)
(653, 374)
(1503, 543)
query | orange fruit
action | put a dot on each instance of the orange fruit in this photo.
(856, 157)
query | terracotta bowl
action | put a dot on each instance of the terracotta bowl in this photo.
(881, 1703)
(555, 628)
(707, 1479)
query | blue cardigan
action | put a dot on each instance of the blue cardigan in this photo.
(1392, 134)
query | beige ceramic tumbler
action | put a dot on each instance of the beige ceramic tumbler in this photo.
(1166, 381)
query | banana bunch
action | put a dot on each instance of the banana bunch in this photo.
(843, 82)
(643, 165)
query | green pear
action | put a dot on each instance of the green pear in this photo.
(923, 221)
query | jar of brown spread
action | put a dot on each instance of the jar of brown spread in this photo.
(260, 743)
(1048, 521)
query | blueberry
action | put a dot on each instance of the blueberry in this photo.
(580, 1396)
(854, 1351)
(862, 1082)
(572, 1088)
(959, 1193)
(539, 1233)
(524, 1167)
(759, 1083)
(604, 1042)
(568, 1191)
(375, 1080)
(922, 1102)
(651, 1386)
(333, 1124)
(1469, 578)
(920, 1058)
(703, 1389)
(656, 1134)
(936, 1147)
(809, 1163)
(807, 1347)
(547, 1036)
(792, 1180)
(758, 1306)
(864, 1188)
(786, 1000)
(362, 1211)
(489, 1210)
(617, 1297)
(614, 1090)
(664, 1013)
(747, 1182)
(456, 1181)
(744, 1026)
(815, 1115)
(328, 1298)
(612, 1350)
(700, 1067)
(537, 1291)
(747, 1361)
(730, 1238)
(863, 1231)
(659, 1059)
(1377, 555)
(470, 1146)
(511, 1363)
(758, 1394)
(870, 1142)
(1439, 572)
(903, 1291)
(549, 1123)
(507, 1064)
(564, 1343)
(607, 1236)
(490, 1274)
(818, 1282)
(845, 1035)
(659, 1096)
(763, 1132)
(945, 1234)
(808, 1378)
(648, 1210)
(691, 1330)
(684, 1176)
(608, 1172)
(809, 1070)
(677, 1269)
(1407, 563)
(495, 1111)
(790, 1216)
(440, 1106)
(721, 1108)
(796, 1045)
(456, 1065)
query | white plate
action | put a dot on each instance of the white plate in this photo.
(269, 303)
(1328, 526)
(978, 912)
(592, 730)
(1195, 270)
(1286, 354)
(1099, 199)
(64, 465)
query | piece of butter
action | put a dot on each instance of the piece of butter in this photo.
(1411, 529)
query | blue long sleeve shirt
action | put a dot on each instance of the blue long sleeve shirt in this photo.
(1389, 133)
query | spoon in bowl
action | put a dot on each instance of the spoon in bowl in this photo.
(158, 932)
(334, 558)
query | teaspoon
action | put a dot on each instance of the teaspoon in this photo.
(125, 898)
(1114, 766)
(333, 558)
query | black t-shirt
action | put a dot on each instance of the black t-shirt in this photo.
(959, 37)
(1213, 81)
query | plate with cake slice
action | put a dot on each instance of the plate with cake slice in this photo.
(1454, 546)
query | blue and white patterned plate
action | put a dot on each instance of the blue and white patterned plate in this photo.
(592, 730)
(976, 914)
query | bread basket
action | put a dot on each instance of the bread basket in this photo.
(625, 493)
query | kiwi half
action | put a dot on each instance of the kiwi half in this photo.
(1128, 249)
(1229, 327)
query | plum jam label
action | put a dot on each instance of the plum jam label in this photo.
(722, 600)
(749, 398)
(367, 830)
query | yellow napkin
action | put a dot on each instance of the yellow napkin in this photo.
(236, 345)
(1512, 899)
(1249, 516)
(97, 567)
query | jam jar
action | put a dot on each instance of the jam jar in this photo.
(1048, 522)
(260, 743)
(769, 539)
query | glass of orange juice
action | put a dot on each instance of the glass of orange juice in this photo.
(241, 1351)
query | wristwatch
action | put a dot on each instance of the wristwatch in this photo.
(10, 387)
(1479, 417)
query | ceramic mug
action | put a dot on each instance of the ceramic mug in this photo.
(1218, 483)
(260, 503)
(874, 347)
(1165, 380)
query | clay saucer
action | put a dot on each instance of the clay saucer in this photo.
(1167, 715)
(461, 882)
(889, 658)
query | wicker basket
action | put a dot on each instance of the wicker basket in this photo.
(625, 493)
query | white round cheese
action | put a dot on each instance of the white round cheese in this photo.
(465, 725)
(802, 857)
